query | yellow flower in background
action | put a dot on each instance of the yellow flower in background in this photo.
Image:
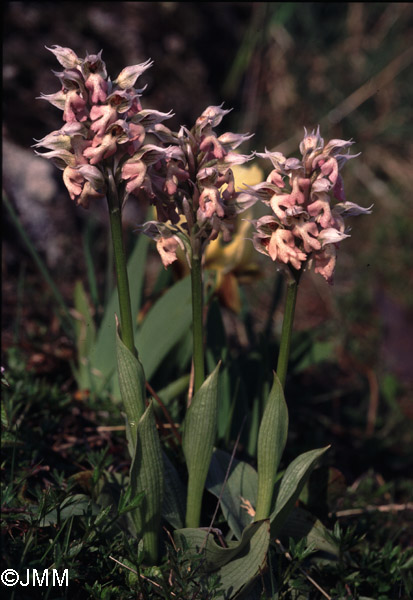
(234, 262)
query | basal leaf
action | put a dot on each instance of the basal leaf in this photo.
(302, 524)
(173, 508)
(200, 427)
(239, 490)
(272, 438)
(164, 325)
(235, 566)
(132, 385)
(291, 485)
(146, 475)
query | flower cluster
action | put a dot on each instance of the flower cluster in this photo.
(306, 226)
(105, 128)
(194, 189)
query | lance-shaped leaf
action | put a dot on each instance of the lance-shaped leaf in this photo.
(198, 440)
(292, 483)
(302, 524)
(235, 566)
(146, 475)
(272, 438)
(132, 386)
(164, 325)
(173, 508)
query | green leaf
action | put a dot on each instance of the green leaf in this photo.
(132, 385)
(164, 325)
(241, 486)
(174, 389)
(76, 505)
(235, 566)
(272, 438)
(146, 475)
(127, 502)
(200, 427)
(302, 524)
(173, 508)
(291, 485)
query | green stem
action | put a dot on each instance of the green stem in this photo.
(287, 327)
(115, 217)
(197, 320)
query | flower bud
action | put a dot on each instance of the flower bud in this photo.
(67, 57)
(128, 76)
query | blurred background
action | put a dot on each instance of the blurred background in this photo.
(281, 66)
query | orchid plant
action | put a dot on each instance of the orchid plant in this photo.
(110, 149)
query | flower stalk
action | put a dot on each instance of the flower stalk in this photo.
(287, 326)
(115, 218)
(197, 321)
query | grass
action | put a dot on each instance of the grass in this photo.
(64, 460)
